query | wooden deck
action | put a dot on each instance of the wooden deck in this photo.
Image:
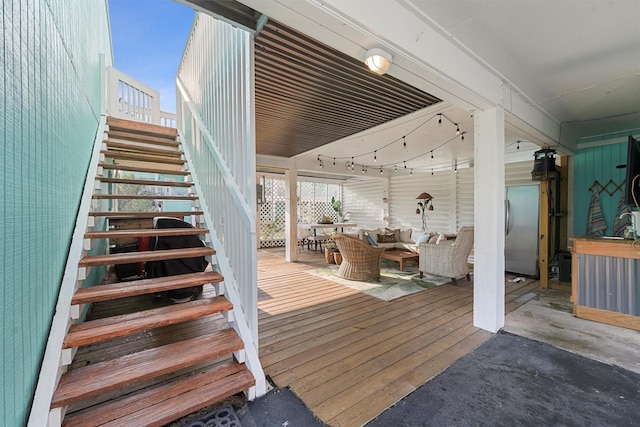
(350, 356)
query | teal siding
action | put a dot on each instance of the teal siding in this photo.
(598, 163)
(49, 112)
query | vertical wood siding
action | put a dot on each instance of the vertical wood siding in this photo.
(50, 89)
(591, 164)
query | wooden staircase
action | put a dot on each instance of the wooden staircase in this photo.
(140, 360)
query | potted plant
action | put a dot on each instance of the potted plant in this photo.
(329, 249)
(337, 207)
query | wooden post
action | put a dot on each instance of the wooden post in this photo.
(564, 203)
(543, 257)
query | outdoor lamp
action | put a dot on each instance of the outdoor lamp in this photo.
(425, 204)
(378, 60)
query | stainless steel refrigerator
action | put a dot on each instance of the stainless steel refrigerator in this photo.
(522, 207)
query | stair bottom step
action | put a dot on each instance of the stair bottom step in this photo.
(164, 403)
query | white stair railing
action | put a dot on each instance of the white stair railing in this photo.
(217, 127)
(128, 98)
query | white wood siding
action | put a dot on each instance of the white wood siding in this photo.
(452, 198)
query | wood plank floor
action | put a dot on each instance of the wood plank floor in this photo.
(350, 356)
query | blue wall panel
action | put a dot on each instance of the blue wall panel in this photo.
(598, 163)
(49, 112)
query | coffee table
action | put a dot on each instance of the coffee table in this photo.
(400, 256)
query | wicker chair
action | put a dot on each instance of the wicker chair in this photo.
(360, 261)
(448, 259)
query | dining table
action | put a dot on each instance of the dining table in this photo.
(320, 226)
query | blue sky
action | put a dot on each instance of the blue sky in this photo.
(148, 39)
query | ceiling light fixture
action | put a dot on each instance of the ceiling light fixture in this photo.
(378, 60)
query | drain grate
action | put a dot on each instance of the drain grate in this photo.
(221, 417)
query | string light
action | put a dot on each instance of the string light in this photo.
(381, 170)
(411, 172)
(395, 168)
(518, 146)
(351, 165)
(431, 171)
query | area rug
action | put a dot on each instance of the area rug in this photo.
(391, 284)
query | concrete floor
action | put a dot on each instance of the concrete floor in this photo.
(548, 318)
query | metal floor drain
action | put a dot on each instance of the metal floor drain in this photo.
(221, 417)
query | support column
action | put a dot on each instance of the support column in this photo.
(489, 192)
(291, 214)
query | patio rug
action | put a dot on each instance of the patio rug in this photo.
(391, 284)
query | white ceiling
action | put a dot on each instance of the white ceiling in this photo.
(577, 60)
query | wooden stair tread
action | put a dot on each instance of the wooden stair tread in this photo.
(141, 127)
(149, 158)
(137, 148)
(145, 182)
(144, 232)
(143, 256)
(144, 286)
(164, 141)
(140, 168)
(98, 330)
(145, 214)
(98, 378)
(143, 197)
(159, 405)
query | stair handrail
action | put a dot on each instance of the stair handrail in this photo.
(230, 286)
(51, 369)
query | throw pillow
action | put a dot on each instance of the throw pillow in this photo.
(423, 238)
(370, 239)
(386, 238)
(395, 231)
(405, 235)
(433, 238)
(372, 233)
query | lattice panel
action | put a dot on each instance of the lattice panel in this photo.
(314, 202)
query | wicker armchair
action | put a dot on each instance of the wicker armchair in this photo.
(448, 259)
(360, 261)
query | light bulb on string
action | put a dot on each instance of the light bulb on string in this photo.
(395, 168)
(457, 129)
(375, 156)
(334, 161)
(518, 146)
(404, 142)
(462, 136)
(439, 119)
(411, 172)
(405, 164)
(431, 154)
(380, 170)
(431, 171)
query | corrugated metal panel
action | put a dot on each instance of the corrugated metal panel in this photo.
(609, 283)
(364, 202)
(49, 112)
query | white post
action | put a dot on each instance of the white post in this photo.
(291, 214)
(488, 281)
